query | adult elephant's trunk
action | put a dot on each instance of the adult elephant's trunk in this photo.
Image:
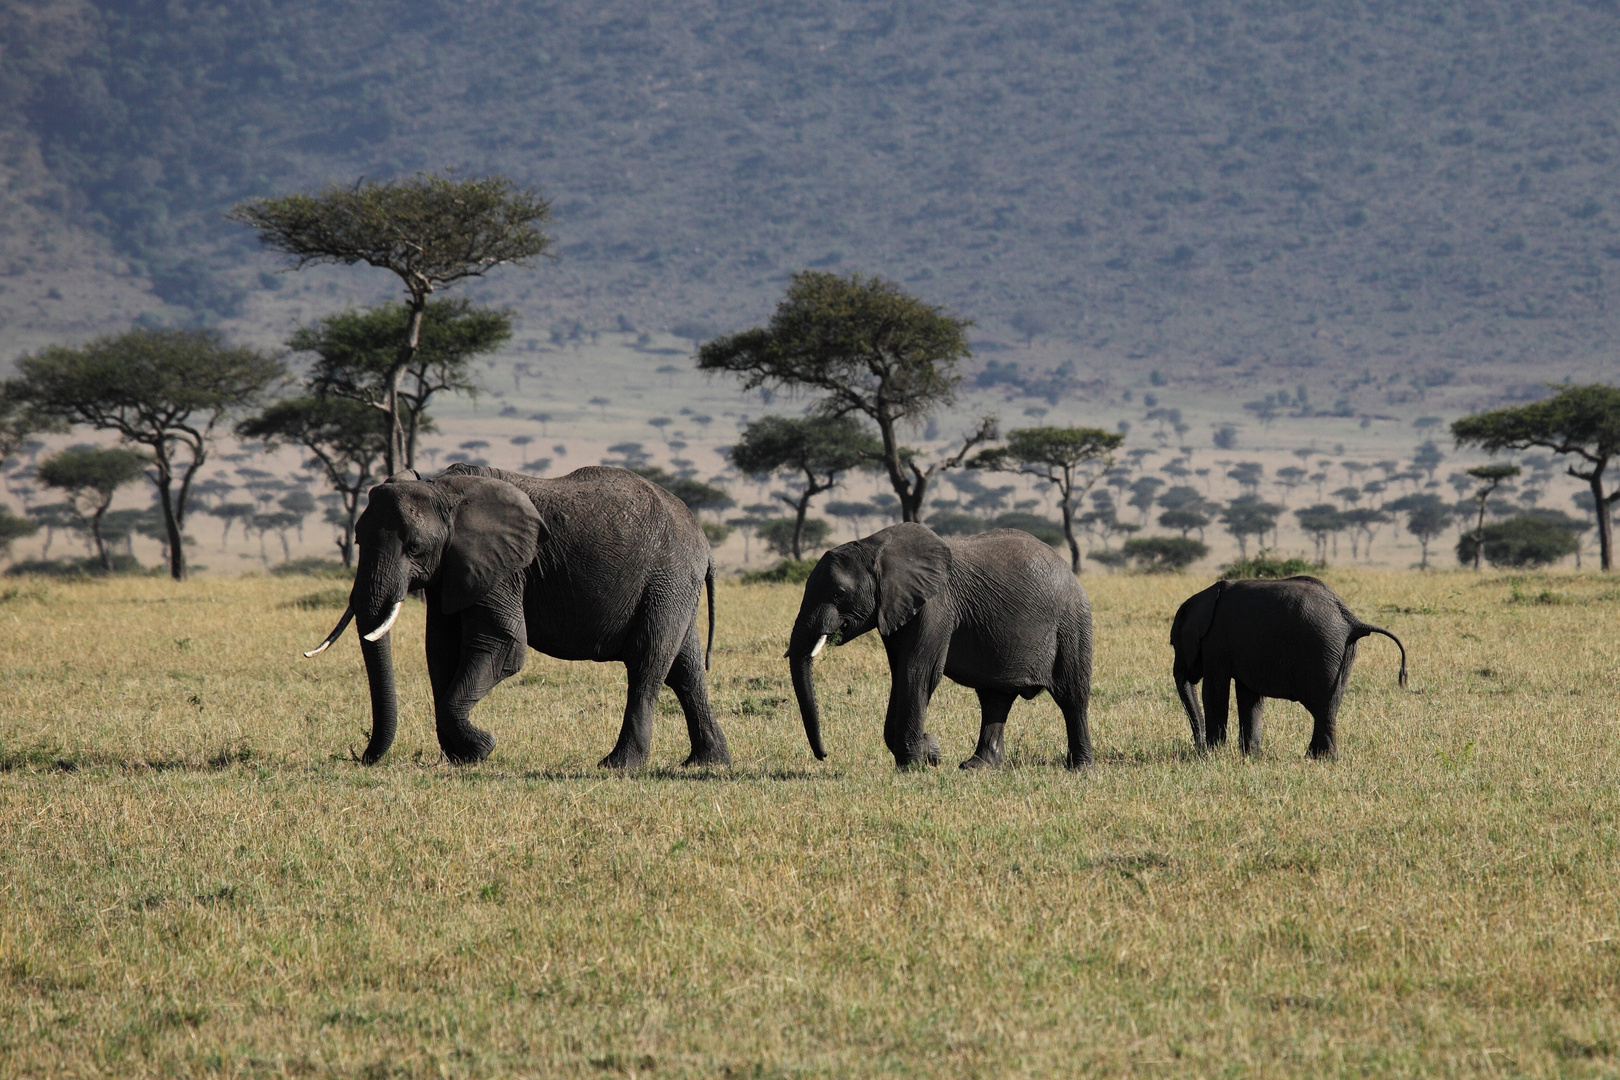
(378, 595)
(804, 688)
(379, 657)
(810, 633)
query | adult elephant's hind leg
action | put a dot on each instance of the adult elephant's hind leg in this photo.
(687, 680)
(994, 705)
(1249, 705)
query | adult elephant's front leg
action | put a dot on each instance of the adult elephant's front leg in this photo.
(915, 671)
(468, 653)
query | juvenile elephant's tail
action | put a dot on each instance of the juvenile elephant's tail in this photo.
(1365, 629)
(708, 585)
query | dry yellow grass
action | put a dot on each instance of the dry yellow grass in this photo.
(195, 879)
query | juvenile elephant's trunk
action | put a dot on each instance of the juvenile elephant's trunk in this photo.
(379, 656)
(804, 688)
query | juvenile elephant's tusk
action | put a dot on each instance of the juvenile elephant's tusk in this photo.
(821, 641)
(337, 632)
(388, 623)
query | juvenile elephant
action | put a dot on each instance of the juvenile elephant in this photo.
(596, 565)
(1292, 639)
(998, 612)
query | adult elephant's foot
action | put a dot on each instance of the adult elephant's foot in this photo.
(1077, 764)
(977, 762)
(624, 760)
(1329, 752)
(717, 755)
(466, 745)
(922, 756)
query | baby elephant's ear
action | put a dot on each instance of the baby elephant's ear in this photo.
(912, 565)
(495, 532)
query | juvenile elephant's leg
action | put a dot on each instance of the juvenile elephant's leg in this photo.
(1325, 714)
(686, 679)
(1249, 705)
(994, 705)
(1075, 705)
(1216, 693)
(640, 706)
(486, 644)
(1189, 703)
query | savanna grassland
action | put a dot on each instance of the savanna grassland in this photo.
(196, 879)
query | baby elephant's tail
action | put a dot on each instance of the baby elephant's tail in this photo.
(1366, 629)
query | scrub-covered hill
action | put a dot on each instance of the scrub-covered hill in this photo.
(1227, 190)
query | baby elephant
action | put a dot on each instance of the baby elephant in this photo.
(998, 612)
(1291, 639)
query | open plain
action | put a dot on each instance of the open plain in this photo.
(195, 879)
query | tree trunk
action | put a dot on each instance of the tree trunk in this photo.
(1068, 533)
(95, 531)
(1479, 535)
(1605, 527)
(407, 355)
(171, 527)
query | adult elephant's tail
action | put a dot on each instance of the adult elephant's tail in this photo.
(1366, 629)
(708, 585)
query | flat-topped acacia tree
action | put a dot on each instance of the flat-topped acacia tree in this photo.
(1583, 421)
(432, 231)
(820, 447)
(166, 390)
(1071, 459)
(870, 348)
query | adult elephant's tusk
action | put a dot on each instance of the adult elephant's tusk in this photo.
(820, 642)
(387, 625)
(337, 632)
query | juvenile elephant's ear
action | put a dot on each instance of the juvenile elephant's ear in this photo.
(495, 531)
(912, 565)
(1199, 614)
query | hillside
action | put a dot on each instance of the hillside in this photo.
(1224, 192)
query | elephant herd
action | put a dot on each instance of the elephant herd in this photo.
(603, 565)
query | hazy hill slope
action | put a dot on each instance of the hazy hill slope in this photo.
(1264, 186)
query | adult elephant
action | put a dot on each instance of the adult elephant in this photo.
(1293, 639)
(596, 565)
(997, 612)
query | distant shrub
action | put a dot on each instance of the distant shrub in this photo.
(312, 566)
(716, 532)
(786, 572)
(74, 568)
(1522, 542)
(1042, 529)
(955, 523)
(326, 599)
(1163, 554)
(1266, 565)
(1225, 437)
(1113, 558)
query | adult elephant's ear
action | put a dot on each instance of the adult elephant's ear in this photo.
(496, 530)
(912, 565)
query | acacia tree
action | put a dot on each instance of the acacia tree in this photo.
(1493, 476)
(820, 447)
(357, 351)
(1427, 516)
(1247, 516)
(871, 349)
(1583, 421)
(431, 231)
(166, 390)
(344, 440)
(91, 476)
(1070, 459)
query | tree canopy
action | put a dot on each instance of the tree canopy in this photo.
(1071, 459)
(1579, 421)
(431, 231)
(870, 348)
(356, 352)
(166, 390)
(344, 440)
(819, 447)
(91, 476)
